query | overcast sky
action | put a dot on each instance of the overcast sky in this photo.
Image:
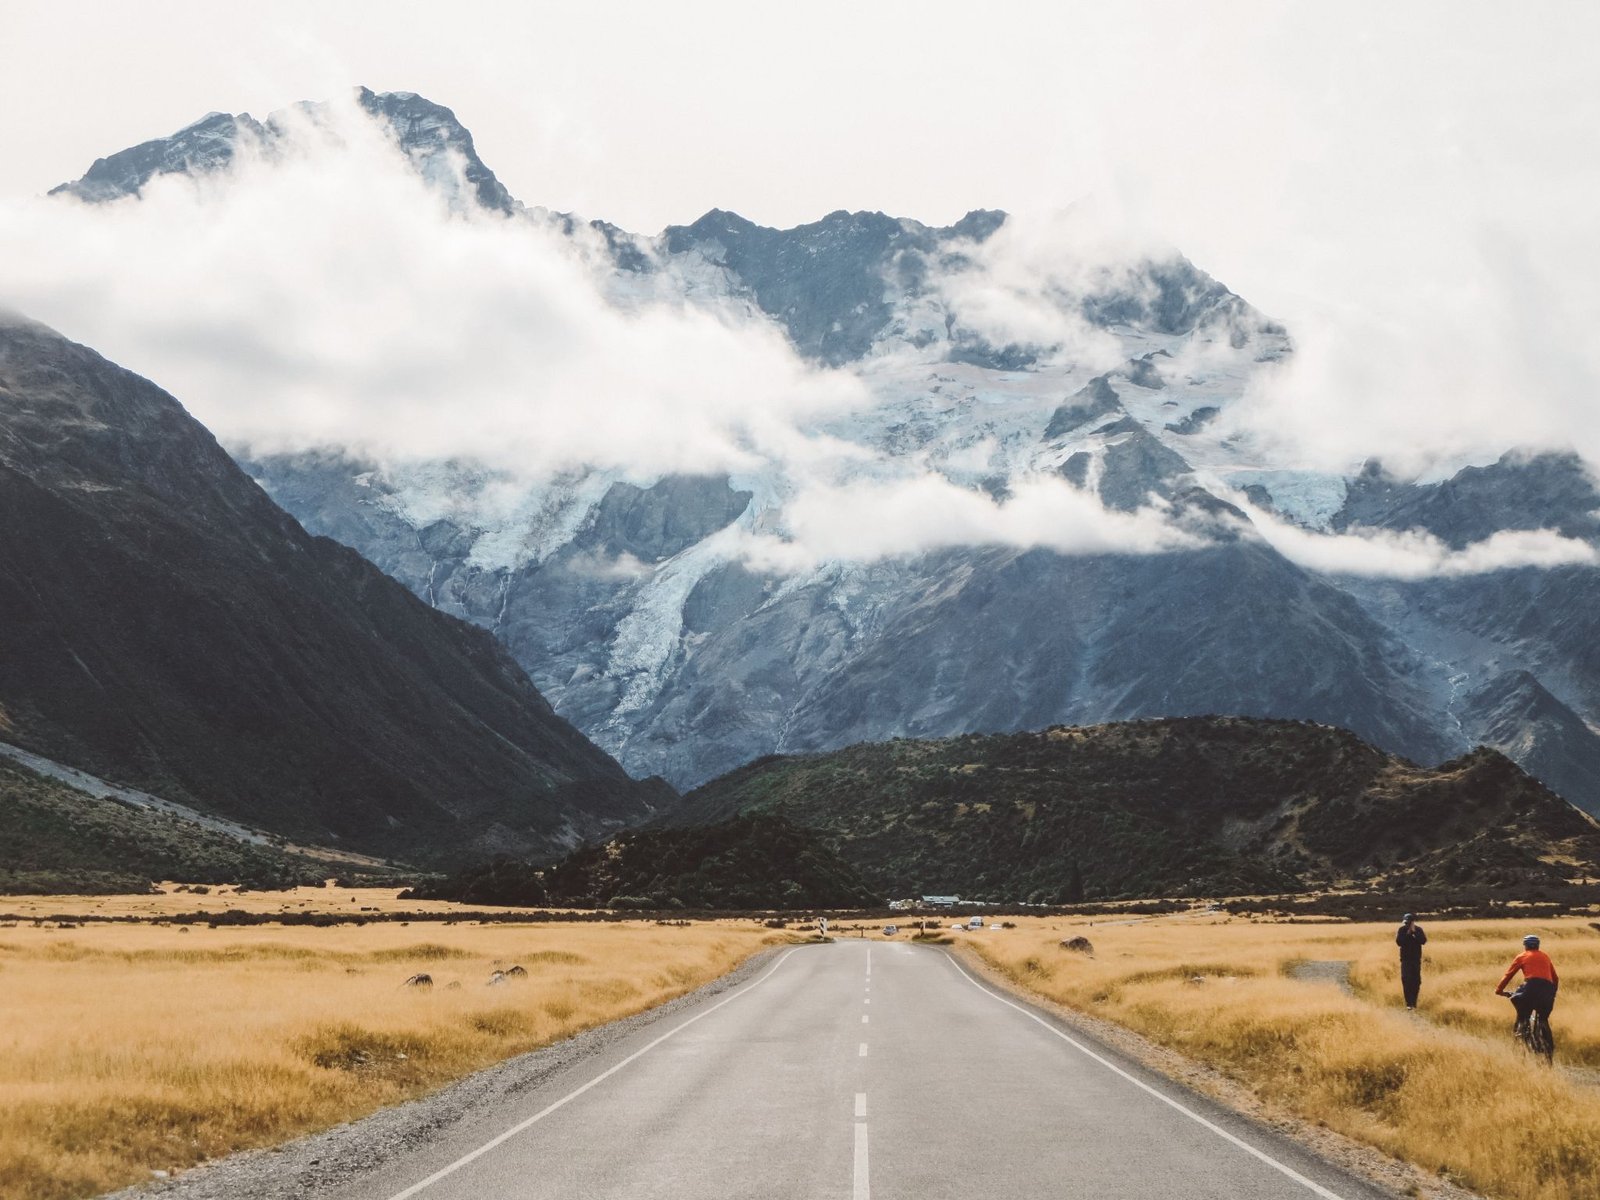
(1411, 187)
(1273, 142)
(1285, 115)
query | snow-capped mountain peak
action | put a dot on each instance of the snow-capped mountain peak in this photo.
(1045, 502)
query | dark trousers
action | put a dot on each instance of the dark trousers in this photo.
(1411, 980)
(1534, 996)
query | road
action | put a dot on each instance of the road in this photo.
(851, 1071)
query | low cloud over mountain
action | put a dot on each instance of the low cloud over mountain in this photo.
(731, 489)
(350, 276)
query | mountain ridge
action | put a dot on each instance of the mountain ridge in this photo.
(170, 626)
(1178, 806)
(428, 133)
(745, 661)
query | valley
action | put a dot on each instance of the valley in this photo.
(1334, 1077)
(509, 687)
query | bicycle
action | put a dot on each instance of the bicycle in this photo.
(1535, 1036)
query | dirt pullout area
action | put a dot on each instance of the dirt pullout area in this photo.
(1335, 971)
(318, 1165)
(1401, 1179)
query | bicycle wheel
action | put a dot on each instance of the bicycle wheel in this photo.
(1539, 1040)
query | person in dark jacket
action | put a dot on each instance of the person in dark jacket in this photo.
(1411, 940)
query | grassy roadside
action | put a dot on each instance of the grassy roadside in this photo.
(1443, 1089)
(131, 1049)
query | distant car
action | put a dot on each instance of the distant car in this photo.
(890, 930)
(975, 923)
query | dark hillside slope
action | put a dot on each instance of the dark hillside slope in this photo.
(760, 861)
(1197, 806)
(56, 839)
(166, 624)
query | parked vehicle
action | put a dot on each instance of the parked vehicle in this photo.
(890, 930)
(975, 923)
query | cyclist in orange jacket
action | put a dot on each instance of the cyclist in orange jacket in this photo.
(1539, 983)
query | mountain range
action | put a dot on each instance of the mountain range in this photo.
(685, 659)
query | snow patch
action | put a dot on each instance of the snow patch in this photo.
(1308, 498)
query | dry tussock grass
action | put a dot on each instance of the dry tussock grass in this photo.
(126, 1049)
(1444, 1088)
(168, 901)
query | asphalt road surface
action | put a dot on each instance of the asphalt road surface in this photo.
(851, 1071)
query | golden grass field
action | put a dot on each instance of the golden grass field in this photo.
(128, 1048)
(131, 1048)
(1445, 1088)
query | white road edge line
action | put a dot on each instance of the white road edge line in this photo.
(1310, 1184)
(863, 1183)
(573, 1095)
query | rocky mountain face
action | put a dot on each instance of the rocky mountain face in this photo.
(627, 600)
(437, 144)
(1519, 491)
(1198, 806)
(1508, 654)
(207, 145)
(167, 625)
(831, 284)
(1515, 712)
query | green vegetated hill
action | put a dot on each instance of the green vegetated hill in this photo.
(755, 861)
(1185, 806)
(54, 838)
